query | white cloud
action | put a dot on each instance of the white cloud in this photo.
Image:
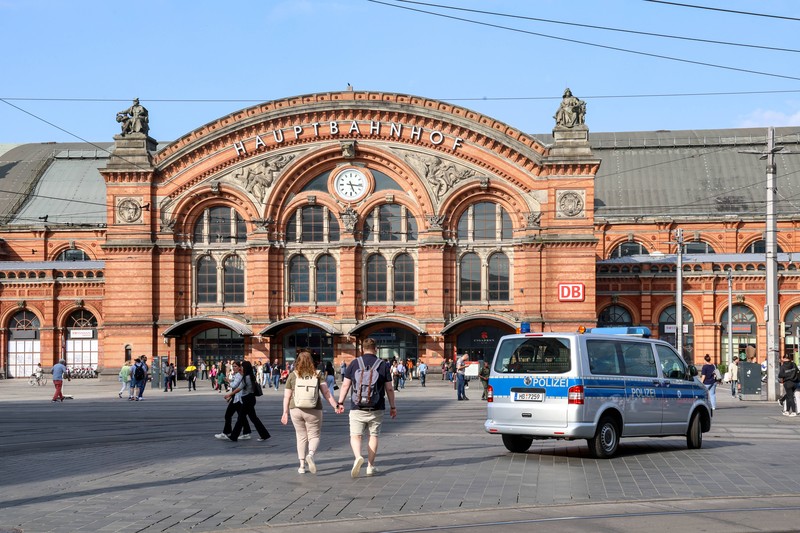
(761, 118)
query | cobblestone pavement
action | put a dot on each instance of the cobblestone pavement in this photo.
(98, 463)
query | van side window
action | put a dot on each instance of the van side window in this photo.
(639, 359)
(603, 357)
(533, 356)
(672, 365)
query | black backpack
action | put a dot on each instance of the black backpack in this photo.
(138, 372)
(365, 384)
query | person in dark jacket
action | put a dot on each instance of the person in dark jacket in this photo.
(788, 375)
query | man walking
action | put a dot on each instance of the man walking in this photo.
(461, 378)
(60, 371)
(140, 375)
(366, 410)
(423, 372)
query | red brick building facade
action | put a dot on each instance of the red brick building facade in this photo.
(319, 220)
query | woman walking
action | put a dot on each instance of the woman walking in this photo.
(234, 407)
(247, 407)
(330, 376)
(125, 377)
(303, 401)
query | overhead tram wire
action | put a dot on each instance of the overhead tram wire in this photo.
(587, 43)
(721, 10)
(604, 28)
(4, 100)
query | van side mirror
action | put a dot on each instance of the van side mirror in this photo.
(693, 370)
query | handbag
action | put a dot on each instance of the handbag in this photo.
(257, 390)
(717, 374)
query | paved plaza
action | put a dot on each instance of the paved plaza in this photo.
(98, 463)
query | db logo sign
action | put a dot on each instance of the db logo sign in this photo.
(571, 292)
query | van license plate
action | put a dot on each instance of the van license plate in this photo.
(529, 396)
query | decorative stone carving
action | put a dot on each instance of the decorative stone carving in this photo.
(349, 219)
(258, 178)
(484, 183)
(534, 220)
(129, 210)
(348, 149)
(311, 199)
(168, 225)
(263, 224)
(435, 221)
(440, 175)
(571, 112)
(570, 204)
(215, 187)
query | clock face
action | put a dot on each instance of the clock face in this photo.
(351, 184)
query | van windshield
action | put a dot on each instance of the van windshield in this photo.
(533, 355)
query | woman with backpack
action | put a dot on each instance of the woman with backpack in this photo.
(303, 402)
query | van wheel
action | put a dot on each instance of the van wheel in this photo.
(605, 442)
(517, 443)
(694, 437)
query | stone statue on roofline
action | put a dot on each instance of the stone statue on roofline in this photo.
(134, 119)
(571, 112)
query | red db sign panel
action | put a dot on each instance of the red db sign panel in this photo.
(571, 292)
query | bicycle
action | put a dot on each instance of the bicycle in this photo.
(38, 380)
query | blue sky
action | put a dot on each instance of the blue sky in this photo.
(70, 65)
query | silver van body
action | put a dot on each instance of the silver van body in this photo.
(594, 387)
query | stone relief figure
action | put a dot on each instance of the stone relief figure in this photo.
(135, 119)
(440, 175)
(349, 219)
(572, 111)
(257, 179)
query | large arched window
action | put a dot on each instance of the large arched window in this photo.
(698, 247)
(24, 349)
(485, 221)
(760, 247)
(298, 279)
(233, 291)
(73, 255)
(376, 278)
(81, 344)
(404, 278)
(498, 278)
(316, 223)
(614, 315)
(220, 224)
(470, 278)
(326, 279)
(394, 222)
(206, 280)
(629, 248)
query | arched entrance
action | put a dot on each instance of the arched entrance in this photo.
(316, 340)
(24, 349)
(744, 332)
(216, 345)
(792, 322)
(81, 350)
(667, 322)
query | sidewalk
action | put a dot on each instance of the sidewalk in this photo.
(98, 463)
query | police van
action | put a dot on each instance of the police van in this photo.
(593, 386)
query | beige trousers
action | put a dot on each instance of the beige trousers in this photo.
(307, 426)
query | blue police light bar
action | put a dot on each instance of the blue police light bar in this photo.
(632, 331)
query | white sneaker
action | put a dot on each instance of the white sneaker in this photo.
(222, 436)
(312, 466)
(356, 467)
(792, 414)
(246, 436)
(785, 413)
(301, 470)
(371, 470)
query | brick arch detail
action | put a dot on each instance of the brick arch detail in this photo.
(10, 312)
(457, 204)
(63, 314)
(78, 246)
